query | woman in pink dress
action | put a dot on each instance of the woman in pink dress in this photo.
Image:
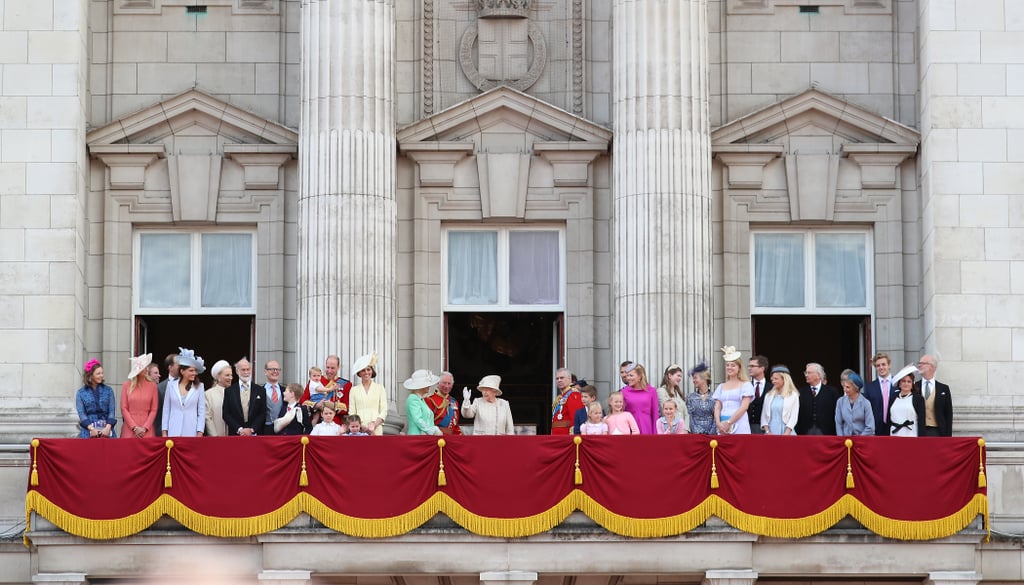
(139, 400)
(641, 399)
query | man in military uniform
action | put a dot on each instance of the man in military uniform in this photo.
(445, 408)
(568, 401)
(335, 387)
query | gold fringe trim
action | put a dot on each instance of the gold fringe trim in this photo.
(303, 476)
(982, 482)
(441, 479)
(34, 477)
(714, 470)
(849, 466)
(509, 527)
(577, 476)
(167, 476)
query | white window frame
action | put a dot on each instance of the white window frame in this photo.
(195, 274)
(503, 304)
(810, 299)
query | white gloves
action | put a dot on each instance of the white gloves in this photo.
(466, 394)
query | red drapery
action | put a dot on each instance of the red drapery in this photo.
(638, 486)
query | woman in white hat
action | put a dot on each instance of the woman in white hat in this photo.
(906, 408)
(222, 378)
(732, 397)
(418, 415)
(493, 415)
(184, 399)
(367, 398)
(138, 400)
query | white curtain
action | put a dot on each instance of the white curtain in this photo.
(840, 275)
(533, 268)
(472, 268)
(779, 270)
(164, 270)
(227, 270)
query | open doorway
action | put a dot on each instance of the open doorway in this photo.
(214, 337)
(522, 348)
(836, 342)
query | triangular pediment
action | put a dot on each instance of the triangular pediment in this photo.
(812, 113)
(195, 114)
(507, 110)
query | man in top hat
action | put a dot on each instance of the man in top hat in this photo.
(938, 402)
(245, 404)
(568, 401)
(444, 406)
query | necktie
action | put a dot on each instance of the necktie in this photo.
(757, 389)
(927, 389)
(815, 390)
(885, 398)
(245, 399)
(274, 394)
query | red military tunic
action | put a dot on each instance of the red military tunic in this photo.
(563, 411)
(446, 412)
(336, 391)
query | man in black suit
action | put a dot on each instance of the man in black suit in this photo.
(938, 402)
(245, 403)
(171, 361)
(817, 403)
(879, 391)
(757, 367)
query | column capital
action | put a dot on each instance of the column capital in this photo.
(730, 577)
(508, 578)
(952, 578)
(59, 578)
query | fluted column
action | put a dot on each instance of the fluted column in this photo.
(347, 212)
(661, 283)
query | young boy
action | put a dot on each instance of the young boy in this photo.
(588, 394)
(327, 427)
(313, 385)
(355, 427)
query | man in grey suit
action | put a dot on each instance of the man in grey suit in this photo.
(171, 361)
(275, 399)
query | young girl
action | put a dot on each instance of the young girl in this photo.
(355, 427)
(671, 424)
(594, 424)
(328, 428)
(296, 419)
(618, 420)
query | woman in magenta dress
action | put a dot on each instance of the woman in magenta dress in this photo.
(641, 399)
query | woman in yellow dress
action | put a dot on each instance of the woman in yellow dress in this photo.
(367, 398)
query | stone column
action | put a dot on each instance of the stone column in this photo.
(59, 579)
(508, 578)
(729, 577)
(347, 214)
(661, 222)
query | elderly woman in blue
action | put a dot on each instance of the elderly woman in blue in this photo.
(853, 411)
(94, 402)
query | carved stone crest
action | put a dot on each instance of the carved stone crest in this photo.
(504, 8)
(502, 37)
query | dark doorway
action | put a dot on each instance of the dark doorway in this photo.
(836, 342)
(213, 337)
(519, 347)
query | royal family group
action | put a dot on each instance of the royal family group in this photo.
(754, 398)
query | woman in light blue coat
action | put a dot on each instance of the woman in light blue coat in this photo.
(853, 411)
(185, 399)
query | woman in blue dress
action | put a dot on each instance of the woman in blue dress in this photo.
(94, 402)
(699, 404)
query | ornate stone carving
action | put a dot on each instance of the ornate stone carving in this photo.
(482, 82)
(577, 57)
(504, 8)
(428, 57)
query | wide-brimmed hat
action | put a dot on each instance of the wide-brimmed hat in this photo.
(219, 367)
(730, 354)
(492, 381)
(139, 364)
(909, 369)
(420, 379)
(187, 358)
(367, 361)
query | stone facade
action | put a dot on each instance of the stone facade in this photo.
(654, 136)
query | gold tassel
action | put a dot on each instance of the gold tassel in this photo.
(714, 472)
(303, 476)
(442, 480)
(34, 480)
(849, 467)
(167, 476)
(577, 478)
(982, 482)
